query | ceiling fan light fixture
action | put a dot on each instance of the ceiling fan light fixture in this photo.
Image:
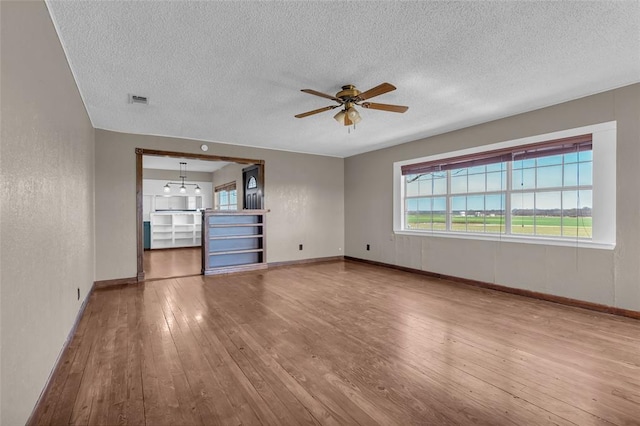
(350, 97)
(353, 114)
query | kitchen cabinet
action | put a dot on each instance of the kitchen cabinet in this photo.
(175, 229)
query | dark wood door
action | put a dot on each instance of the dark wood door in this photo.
(253, 191)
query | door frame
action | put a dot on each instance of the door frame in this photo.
(140, 152)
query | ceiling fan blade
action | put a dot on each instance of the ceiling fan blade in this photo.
(376, 91)
(322, 95)
(316, 111)
(385, 107)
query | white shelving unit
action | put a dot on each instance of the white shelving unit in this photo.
(175, 229)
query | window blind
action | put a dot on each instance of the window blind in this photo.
(226, 187)
(523, 152)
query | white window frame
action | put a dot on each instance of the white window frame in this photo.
(604, 190)
(228, 188)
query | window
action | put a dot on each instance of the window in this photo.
(542, 190)
(226, 196)
(553, 196)
(252, 183)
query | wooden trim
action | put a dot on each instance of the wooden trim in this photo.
(305, 261)
(520, 292)
(45, 390)
(139, 196)
(139, 219)
(160, 153)
(117, 281)
(204, 237)
(264, 217)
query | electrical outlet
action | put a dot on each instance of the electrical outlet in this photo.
(78, 293)
(300, 247)
(368, 247)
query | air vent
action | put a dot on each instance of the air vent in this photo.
(135, 99)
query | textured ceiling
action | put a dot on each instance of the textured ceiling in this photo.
(232, 71)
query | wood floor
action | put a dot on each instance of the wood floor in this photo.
(341, 343)
(169, 263)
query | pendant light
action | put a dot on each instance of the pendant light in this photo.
(183, 186)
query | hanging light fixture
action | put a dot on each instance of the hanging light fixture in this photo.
(348, 116)
(183, 186)
(353, 114)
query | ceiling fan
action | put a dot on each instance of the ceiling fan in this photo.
(348, 98)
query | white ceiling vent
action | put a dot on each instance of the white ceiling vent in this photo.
(135, 99)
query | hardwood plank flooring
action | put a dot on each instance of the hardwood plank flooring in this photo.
(341, 343)
(172, 263)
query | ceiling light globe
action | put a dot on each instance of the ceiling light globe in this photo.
(339, 117)
(353, 114)
(167, 188)
(183, 189)
(197, 190)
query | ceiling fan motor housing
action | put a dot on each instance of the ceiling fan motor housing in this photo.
(348, 92)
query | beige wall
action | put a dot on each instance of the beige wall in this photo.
(47, 243)
(304, 193)
(610, 277)
(48, 190)
(227, 174)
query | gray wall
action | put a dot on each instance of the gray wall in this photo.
(47, 242)
(610, 277)
(305, 194)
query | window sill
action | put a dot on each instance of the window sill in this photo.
(511, 239)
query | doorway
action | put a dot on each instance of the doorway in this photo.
(172, 189)
(253, 191)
